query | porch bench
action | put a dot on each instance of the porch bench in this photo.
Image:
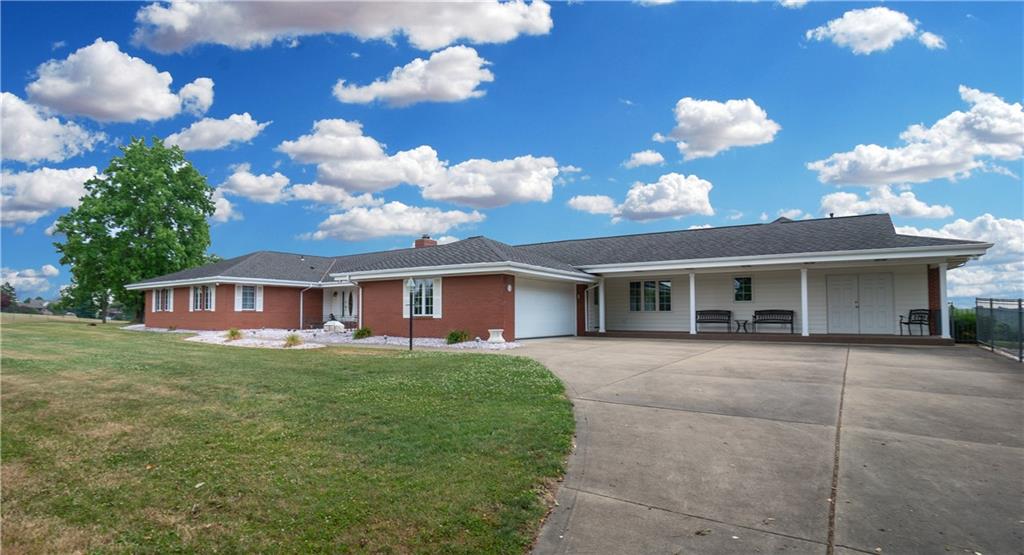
(773, 317)
(715, 317)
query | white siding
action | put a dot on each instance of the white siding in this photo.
(618, 317)
(777, 289)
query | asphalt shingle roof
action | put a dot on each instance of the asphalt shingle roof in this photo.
(782, 236)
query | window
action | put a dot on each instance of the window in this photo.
(743, 289)
(162, 301)
(423, 298)
(202, 298)
(248, 297)
(650, 296)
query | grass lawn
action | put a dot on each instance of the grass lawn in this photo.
(116, 441)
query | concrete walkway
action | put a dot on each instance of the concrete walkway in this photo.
(698, 447)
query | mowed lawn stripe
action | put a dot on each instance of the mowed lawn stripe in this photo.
(115, 441)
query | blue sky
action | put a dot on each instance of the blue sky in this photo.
(532, 100)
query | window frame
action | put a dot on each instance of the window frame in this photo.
(736, 289)
(243, 307)
(422, 299)
(161, 300)
(637, 295)
(201, 298)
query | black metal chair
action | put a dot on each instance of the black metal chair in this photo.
(920, 317)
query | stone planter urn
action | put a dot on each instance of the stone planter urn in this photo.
(496, 336)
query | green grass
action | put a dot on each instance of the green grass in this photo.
(116, 441)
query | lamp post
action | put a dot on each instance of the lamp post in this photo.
(410, 285)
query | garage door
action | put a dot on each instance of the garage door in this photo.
(544, 308)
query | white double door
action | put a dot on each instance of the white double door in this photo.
(860, 303)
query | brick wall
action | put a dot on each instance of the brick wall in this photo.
(471, 303)
(933, 300)
(280, 310)
(581, 310)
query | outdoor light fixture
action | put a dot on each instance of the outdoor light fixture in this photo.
(410, 285)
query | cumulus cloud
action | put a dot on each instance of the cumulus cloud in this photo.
(672, 196)
(260, 188)
(952, 148)
(213, 134)
(872, 30)
(1000, 272)
(31, 136)
(28, 196)
(790, 213)
(179, 25)
(30, 280)
(391, 219)
(644, 158)
(706, 127)
(101, 82)
(336, 196)
(792, 4)
(348, 159)
(451, 75)
(882, 199)
(224, 209)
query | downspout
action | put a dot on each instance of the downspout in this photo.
(311, 286)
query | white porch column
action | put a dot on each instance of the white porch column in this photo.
(805, 327)
(360, 315)
(943, 302)
(693, 303)
(600, 306)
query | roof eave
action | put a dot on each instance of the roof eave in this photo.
(466, 269)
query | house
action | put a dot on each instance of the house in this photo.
(835, 276)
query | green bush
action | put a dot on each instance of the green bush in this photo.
(457, 336)
(362, 333)
(292, 340)
(234, 334)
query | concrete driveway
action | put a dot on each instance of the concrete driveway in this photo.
(699, 447)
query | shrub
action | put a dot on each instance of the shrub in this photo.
(292, 340)
(233, 334)
(362, 333)
(457, 336)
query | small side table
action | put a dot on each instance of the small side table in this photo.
(742, 324)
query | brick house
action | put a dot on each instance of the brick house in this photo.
(830, 276)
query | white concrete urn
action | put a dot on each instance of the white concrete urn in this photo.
(496, 336)
(334, 326)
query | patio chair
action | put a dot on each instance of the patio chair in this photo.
(920, 317)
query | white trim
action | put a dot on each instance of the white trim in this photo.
(790, 258)
(805, 329)
(259, 298)
(170, 299)
(218, 280)
(437, 297)
(191, 299)
(600, 306)
(943, 302)
(467, 269)
(693, 303)
(238, 297)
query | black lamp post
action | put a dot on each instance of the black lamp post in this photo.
(411, 286)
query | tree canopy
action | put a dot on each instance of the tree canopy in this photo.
(144, 216)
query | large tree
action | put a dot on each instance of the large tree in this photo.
(144, 216)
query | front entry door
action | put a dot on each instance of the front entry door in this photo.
(860, 303)
(842, 304)
(876, 303)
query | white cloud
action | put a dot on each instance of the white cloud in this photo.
(882, 199)
(872, 30)
(1000, 272)
(28, 196)
(224, 209)
(260, 188)
(393, 218)
(348, 159)
(763, 217)
(487, 184)
(30, 136)
(706, 127)
(594, 204)
(672, 196)
(932, 41)
(792, 4)
(451, 75)
(213, 134)
(644, 158)
(29, 280)
(179, 25)
(790, 213)
(734, 215)
(336, 196)
(103, 83)
(952, 148)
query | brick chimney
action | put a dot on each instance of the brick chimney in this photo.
(424, 241)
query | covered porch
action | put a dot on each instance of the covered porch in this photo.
(843, 302)
(343, 301)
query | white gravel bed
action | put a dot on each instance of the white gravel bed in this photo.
(311, 339)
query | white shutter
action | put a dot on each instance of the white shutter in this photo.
(437, 297)
(154, 299)
(405, 299)
(170, 300)
(191, 298)
(213, 298)
(259, 298)
(238, 298)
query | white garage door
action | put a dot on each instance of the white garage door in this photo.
(544, 308)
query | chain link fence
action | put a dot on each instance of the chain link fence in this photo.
(999, 325)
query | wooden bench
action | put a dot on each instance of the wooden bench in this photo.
(773, 317)
(920, 317)
(715, 317)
